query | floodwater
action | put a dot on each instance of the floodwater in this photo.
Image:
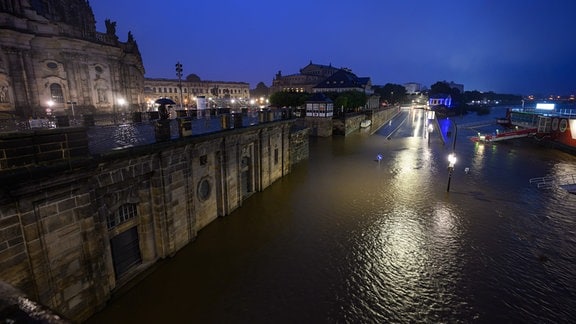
(346, 238)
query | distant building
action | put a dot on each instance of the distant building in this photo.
(217, 93)
(260, 92)
(305, 81)
(453, 85)
(319, 106)
(316, 78)
(53, 60)
(412, 87)
(344, 80)
(440, 99)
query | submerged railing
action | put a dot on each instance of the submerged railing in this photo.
(551, 182)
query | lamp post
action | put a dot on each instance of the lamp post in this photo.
(122, 102)
(430, 129)
(452, 162)
(72, 103)
(179, 75)
(452, 158)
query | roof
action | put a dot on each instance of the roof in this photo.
(343, 79)
(318, 97)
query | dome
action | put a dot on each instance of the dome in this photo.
(193, 78)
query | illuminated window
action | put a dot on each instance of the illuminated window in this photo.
(56, 93)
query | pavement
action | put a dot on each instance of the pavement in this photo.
(103, 139)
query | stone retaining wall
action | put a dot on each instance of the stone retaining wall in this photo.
(61, 229)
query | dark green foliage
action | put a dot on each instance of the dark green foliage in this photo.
(289, 99)
(391, 93)
(350, 100)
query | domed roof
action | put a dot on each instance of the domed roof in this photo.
(193, 78)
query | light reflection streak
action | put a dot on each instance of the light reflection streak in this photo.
(478, 159)
(418, 124)
(402, 247)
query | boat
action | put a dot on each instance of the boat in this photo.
(504, 136)
(555, 125)
(366, 123)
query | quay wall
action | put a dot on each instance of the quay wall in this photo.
(326, 127)
(74, 230)
(345, 126)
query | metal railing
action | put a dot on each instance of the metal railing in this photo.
(552, 182)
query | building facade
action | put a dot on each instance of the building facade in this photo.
(440, 99)
(53, 61)
(453, 85)
(412, 87)
(74, 229)
(344, 80)
(305, 81)
(218, 94)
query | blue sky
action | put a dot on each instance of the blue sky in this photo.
(506, 46)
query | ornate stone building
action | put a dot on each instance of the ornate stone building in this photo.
(216, 93)
(52, 60)
(305, 81)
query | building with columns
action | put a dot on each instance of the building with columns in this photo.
(217, 94)
(305, 81)
(53, 61)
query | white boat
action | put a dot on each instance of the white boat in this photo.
(366, 123)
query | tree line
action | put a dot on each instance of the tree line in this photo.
(391, 94)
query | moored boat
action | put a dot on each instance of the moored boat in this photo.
(555, 126)
(504, 136)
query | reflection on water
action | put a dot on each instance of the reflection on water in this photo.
(347, 239)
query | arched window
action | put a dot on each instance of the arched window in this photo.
(56, 93)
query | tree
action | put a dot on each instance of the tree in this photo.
(458, 104)
(441, 87)
(391, 93)
(288, 99)
(350, 100)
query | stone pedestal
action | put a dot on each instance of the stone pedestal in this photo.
(162, 130)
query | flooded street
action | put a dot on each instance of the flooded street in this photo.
(346, 238)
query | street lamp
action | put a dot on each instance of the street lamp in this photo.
(121, 103)
(451, 163)
(72, 103)
(430, 129)
(50, 104)
(452, 157)
(179, 75)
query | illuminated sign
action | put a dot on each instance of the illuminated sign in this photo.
(545, 106)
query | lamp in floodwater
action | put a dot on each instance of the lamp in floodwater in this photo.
(451, 163)
(430, 129)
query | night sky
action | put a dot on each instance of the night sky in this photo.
(506, 46)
